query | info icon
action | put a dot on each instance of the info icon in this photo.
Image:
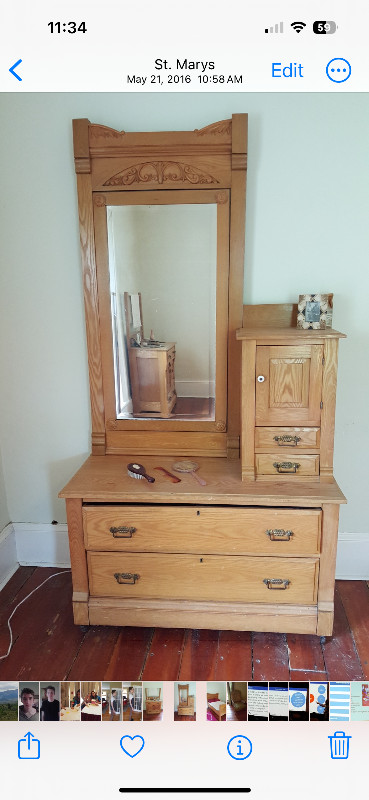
(239, 747)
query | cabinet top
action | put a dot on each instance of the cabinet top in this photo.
(289, 334)
(104, 479)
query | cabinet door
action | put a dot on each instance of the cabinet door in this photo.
(288, 384)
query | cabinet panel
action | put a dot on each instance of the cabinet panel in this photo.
(288, 384)
(194, 577)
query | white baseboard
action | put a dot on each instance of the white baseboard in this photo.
(42, 545)
(8, 555)
(45, 545)
(195, 388)
(353, 557)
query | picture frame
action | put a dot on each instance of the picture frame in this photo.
(315, 311)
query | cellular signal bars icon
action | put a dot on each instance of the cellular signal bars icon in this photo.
(277, 28)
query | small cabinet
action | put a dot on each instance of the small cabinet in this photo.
(289, 380)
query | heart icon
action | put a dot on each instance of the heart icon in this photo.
(132, 745)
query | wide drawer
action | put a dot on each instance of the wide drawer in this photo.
(287, 438)
(194, 577)
(204, 529)
(286, 464)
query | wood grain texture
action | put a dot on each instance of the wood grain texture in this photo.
(40, 626)
(276, 617)
(305, 653)
(234, 656)
(76, 546)
(91, 307)
(201, 529)
(236, 276)
(164, 655)
(270, 657)
(192, 577)
(339, 652)
(106, 480)
(271, 315)
(200, 656)
(355, 599)
(248, 409)
(329, 406)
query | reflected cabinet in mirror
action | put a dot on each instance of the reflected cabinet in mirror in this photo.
(162, 237)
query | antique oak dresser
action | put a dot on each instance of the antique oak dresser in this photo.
(255, 547)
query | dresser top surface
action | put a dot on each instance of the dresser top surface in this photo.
(104, 479)
(288, 334)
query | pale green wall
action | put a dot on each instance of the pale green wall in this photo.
(307, 230)
(4, 513)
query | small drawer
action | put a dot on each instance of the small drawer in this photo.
(283, 438)
(194, 577)
(204, 529)
(289, 464)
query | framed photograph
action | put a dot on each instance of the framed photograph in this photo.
(315, 311)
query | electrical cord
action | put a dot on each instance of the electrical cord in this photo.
(23, 601)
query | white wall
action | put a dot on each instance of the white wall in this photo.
(307, 230)
(217, 687)
(4, 513)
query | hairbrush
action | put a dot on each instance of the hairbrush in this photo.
(138, 471)
(190, 467)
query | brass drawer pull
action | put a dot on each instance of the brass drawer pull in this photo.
(286, 466)
(276, 583)
(123, 532)
(283, 441)
(126, 577)
(279, 535)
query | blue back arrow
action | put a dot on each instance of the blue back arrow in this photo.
(14, 67)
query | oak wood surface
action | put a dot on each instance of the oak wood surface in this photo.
(202, 530)
(105, 479)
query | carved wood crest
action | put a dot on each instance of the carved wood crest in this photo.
(160, 172)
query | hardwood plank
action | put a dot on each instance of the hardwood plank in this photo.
(306, 675)
(200, 656)
(92, 659)
(305, 653)
(40, 625)
(129, 654)
(270, 657)
(164, 657)
(235, 656)
(340, 656)
(355, 599)
(14, 585)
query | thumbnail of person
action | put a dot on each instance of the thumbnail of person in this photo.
(29, 702)
(50, 706)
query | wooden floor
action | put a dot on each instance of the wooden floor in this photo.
(48, 646)
(192, 408)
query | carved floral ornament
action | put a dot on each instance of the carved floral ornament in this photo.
(216, 128)
(160, 172)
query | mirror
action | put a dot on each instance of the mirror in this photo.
(163, 281)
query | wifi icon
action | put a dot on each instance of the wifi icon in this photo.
(298, 26)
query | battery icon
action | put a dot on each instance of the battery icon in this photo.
(323, 26)
(339, 745)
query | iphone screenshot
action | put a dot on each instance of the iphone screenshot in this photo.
(184, 435)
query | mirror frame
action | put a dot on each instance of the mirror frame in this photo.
(116, 168)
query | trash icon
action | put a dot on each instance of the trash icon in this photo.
(339, 745)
